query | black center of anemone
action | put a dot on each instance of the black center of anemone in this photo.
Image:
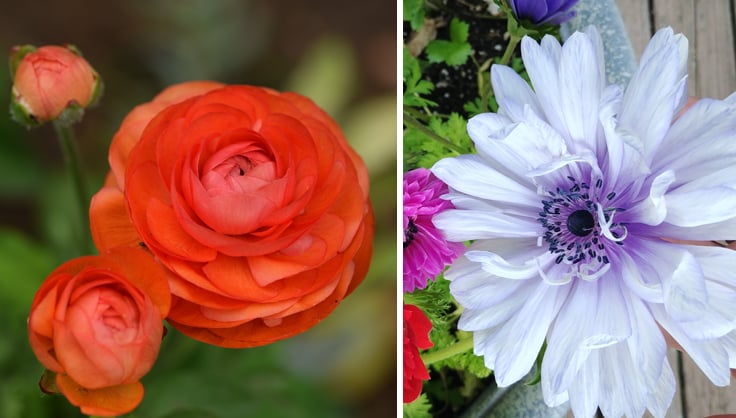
(411, 229)
(580, 222)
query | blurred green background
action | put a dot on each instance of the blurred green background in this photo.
(342, 55)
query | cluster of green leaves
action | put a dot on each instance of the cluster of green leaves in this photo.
(428, 136)
(439, 306)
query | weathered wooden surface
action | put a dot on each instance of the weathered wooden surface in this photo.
(709, 27)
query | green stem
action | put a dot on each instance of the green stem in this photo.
(506, 58)
(458, 348)
(409, 120)
(68, 143)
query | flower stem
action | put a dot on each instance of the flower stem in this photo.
(68, 143)
(458, 348)
(409, 120)
(506, 58)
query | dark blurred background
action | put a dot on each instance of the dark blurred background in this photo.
(342, 55)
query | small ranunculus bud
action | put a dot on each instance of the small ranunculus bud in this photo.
(51, 83)
(96, 324)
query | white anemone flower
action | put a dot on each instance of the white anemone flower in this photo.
(577, 202)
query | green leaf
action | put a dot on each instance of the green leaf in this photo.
(466, 362)
(455, 51)
(414, 13)
(414, 86)
(459, 30)
(419, 408)
(16, 56)
(420, 150)
(454, 129)
(475, 106)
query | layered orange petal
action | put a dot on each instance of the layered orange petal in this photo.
(105, 402)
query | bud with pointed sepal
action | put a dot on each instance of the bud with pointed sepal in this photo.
(51, 83)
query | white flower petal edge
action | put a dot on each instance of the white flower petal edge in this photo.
(574, 203)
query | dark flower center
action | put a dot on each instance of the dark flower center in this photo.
(580, 222)
(578, 226)
(411, 229)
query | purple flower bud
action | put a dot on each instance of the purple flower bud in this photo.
(539, 12)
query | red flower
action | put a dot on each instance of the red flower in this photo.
(97, 322)
(416, 337)
(252, 198)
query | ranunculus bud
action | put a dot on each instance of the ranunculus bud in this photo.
(96, 325)
(51, 82)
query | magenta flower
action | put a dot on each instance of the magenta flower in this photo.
(426, 252)
(539, 12)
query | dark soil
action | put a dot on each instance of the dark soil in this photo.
(456, 86)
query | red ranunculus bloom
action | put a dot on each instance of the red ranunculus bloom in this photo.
(97, 322)
(416, 337)
(252, 198)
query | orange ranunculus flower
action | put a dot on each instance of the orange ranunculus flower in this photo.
(97, 322)
(252, 198)
(109, 221)
(49, 79)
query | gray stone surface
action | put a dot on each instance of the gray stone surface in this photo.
(605, 16)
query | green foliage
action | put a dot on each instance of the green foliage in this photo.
(455, 51)
(518, 65)
(475, 106)
(414, 85)
(23, 266)
(435, 301)
(467, 361)
(419, 408)
(454, 129)
(420, 148)
(221, 383)
(414, 13)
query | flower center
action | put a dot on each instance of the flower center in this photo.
(411, 229)
(237, 165)
(580, 222)
(580, 229)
